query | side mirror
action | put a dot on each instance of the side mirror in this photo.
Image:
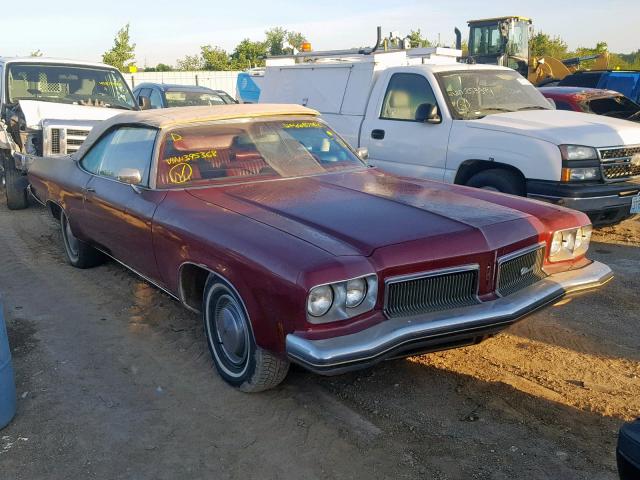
(363, 153)
(132, 176)
(428, 113)
(144, 102)
(552, 102)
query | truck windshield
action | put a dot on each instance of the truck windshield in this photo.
(190, 99)
(70, 84)
(249, 150)
(616, 106)
(473, 94)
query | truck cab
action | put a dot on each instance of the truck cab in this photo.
(421, 114)
(48, 107)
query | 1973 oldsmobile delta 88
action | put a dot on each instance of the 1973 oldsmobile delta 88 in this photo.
(264, 220)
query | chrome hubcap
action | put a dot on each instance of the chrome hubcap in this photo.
(231, 329)
(72, 241)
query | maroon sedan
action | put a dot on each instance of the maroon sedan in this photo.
(265, 221)
(593, 100)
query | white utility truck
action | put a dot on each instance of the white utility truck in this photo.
(48, 107)
(421, 113)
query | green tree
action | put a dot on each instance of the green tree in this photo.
(417, 40)
(122, 53)
(190, 63)
(249, 54)
(295, 40)
(36, 53)
(275, 40)
(215, 58)
(163, 67)
(543, 45)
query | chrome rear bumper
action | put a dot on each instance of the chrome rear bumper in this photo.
(438, 330)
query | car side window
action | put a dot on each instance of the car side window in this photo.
(405, 93)
(93, 158)
(128, 148)
(155, 99)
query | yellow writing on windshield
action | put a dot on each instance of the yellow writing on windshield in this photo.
(302, 125)
(189, 157)
(180, 173)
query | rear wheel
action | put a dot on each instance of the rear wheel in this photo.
(79, 254)
(499, 180)
(237, 358)
(15, 184)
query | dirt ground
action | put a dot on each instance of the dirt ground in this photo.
(115, 382)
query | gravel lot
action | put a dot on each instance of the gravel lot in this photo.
(115, 381)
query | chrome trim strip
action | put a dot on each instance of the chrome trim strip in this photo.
(387, 338)
(30, 192)
(522, 251)
(537, 195)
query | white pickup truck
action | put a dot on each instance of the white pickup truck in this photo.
(421, 114)
(47, 108)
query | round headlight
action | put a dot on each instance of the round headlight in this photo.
(356, 291)
(320, 300)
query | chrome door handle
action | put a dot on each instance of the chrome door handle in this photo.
(88, 189)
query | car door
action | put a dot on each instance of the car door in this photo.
(399, 143)
(118, 205)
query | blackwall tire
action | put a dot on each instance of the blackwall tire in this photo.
(79, 254)
(499, 179)
(237, 358)
(15, 185)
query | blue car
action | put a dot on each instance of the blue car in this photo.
(626, 82)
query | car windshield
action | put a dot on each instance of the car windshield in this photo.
(473, 94)
(177, 98)
(615, 106)
(68, 84)
(251, 150)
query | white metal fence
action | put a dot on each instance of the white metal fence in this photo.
(217, 80)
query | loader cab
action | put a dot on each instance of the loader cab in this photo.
(501, 41)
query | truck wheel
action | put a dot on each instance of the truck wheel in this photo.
(499, 180)
(238, 360)
(15, 185)
(79, 253)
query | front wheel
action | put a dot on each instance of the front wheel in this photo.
(15, 185)
(499, 180)
(237, 358)
(79, 253)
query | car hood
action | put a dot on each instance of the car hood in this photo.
(35, 112)
(359, 212)
(563, 127)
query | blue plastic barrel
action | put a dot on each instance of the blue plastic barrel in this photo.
(7, 382)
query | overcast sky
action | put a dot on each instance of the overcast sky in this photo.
(168, 29)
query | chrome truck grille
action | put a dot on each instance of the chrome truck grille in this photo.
(620, 163)
(438, 290)
(520, 270)
(410, 295)
(63, 139)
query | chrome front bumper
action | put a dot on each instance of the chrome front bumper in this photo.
(438, 330)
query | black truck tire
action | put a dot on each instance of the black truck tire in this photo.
(15, 185)
(500, 180)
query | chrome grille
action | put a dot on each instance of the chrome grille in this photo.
(438, 290)
(619, 163)
(520, 270)
(55, 140)
(75, 138)
(610, 153)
